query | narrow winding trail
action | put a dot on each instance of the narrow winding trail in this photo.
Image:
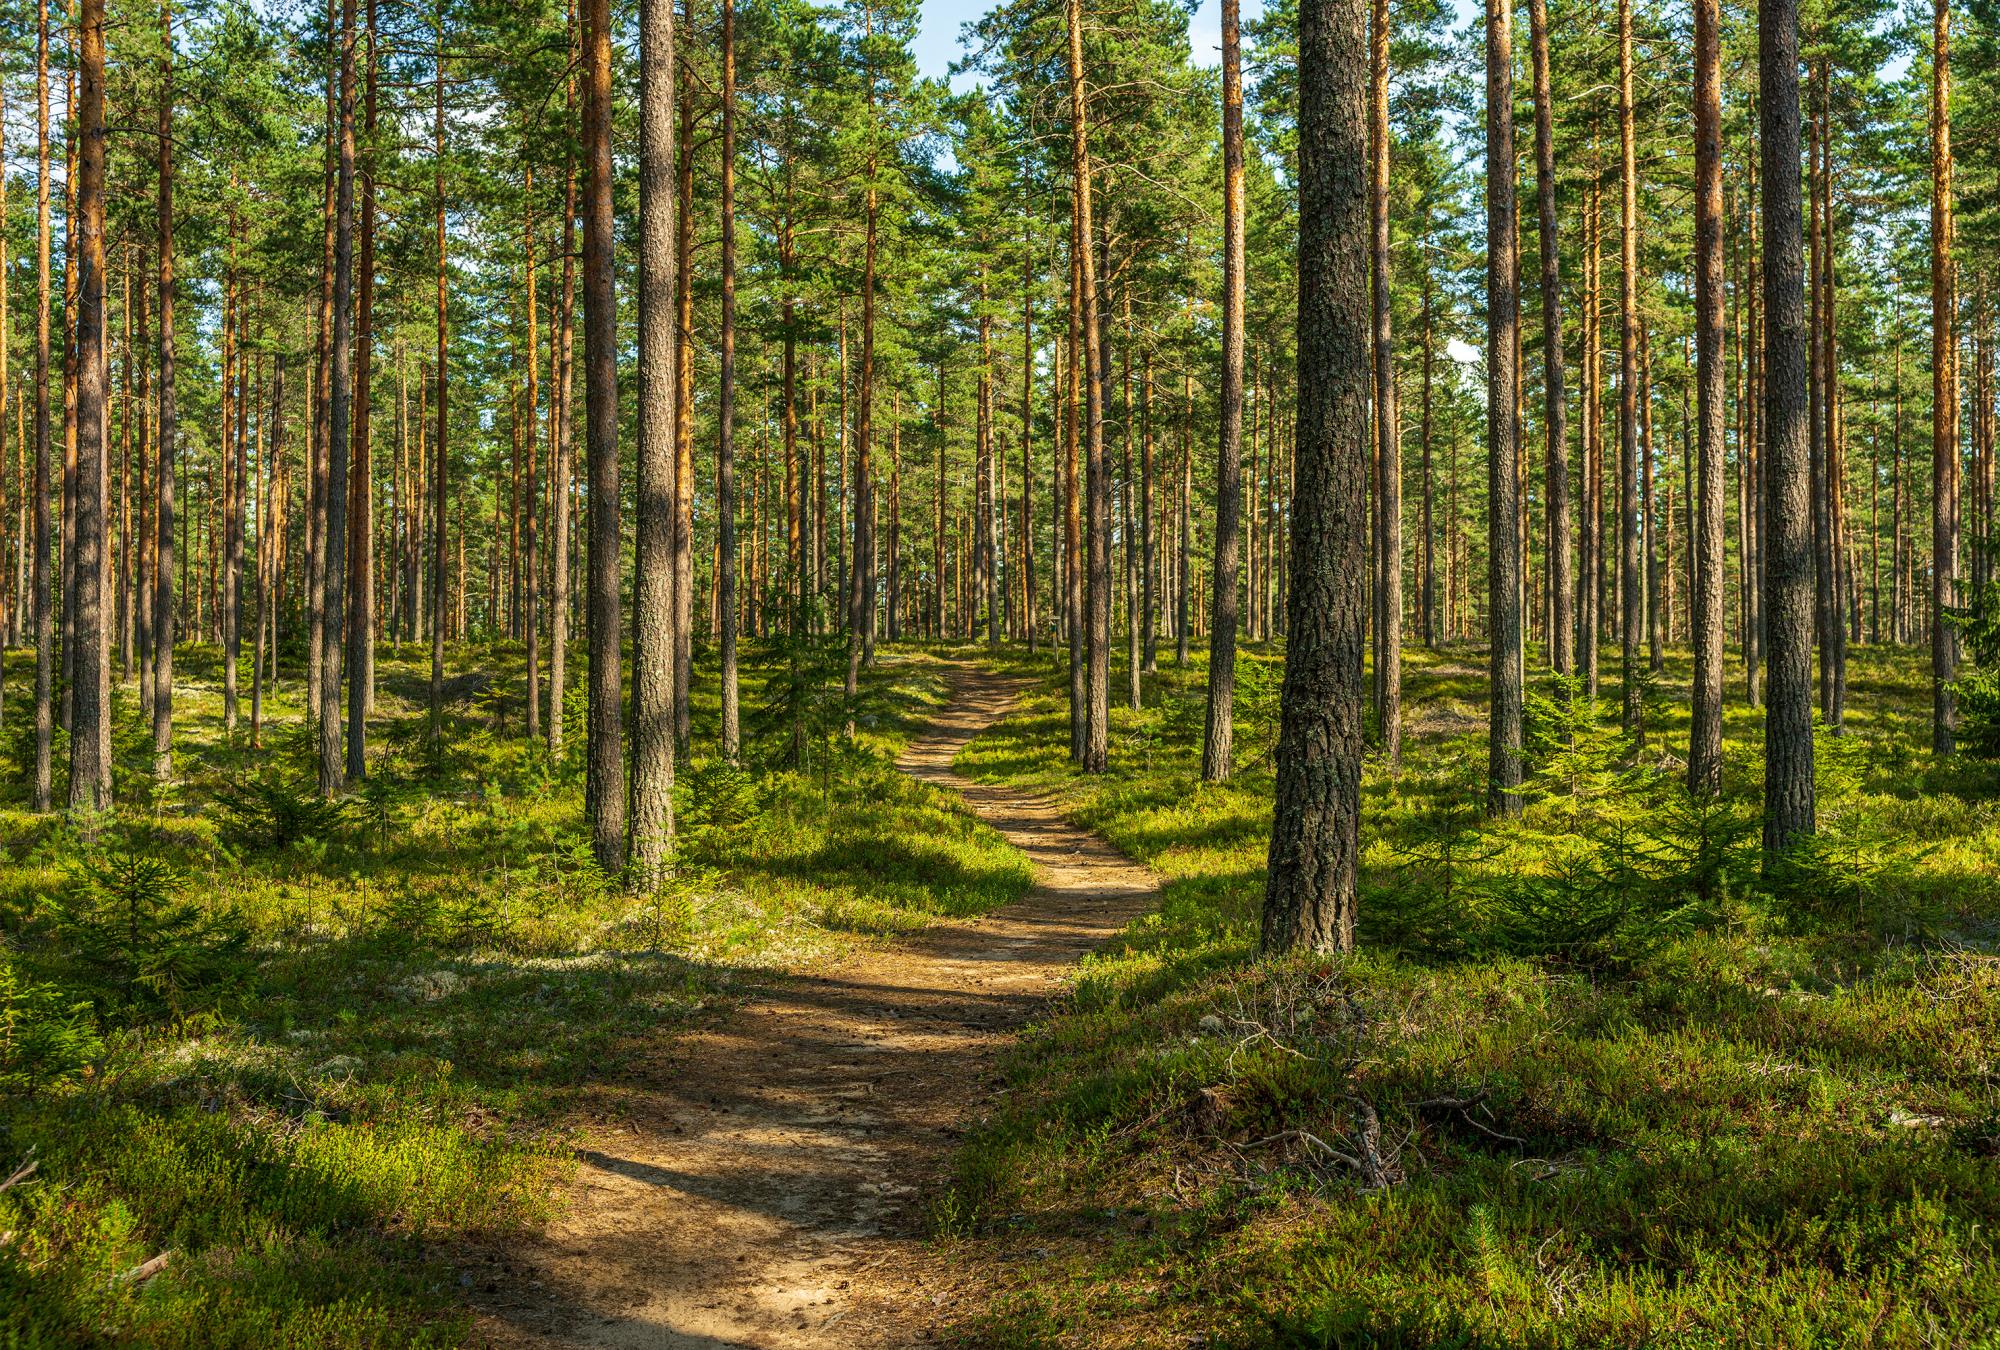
(765, 1182)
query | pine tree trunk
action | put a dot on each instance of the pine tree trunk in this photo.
(1309, 896)
(1217, 745)
(1388, 426)
(1788, 599)
(1631, 595)
(438, 450)
(1503, 473)
(90, 738)
(652, 584)
(1561, 609)
(604, 787)
(725, 455)
(1705, 732)
(163, 511)
(1944, 397)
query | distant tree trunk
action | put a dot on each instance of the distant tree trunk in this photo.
(1656, 602)
(1503, 463)
(1072, 550)
(1217, 744)
(1590, 578)
(1388, 426)
(1309, 897)
(652, 586)
(1027, 444)
(1788, 599)
(860, 607)
(232, 393)
(604, 788)
(1944, 397)
(163, 511)
(531, 560)
(439, 456)
(1148, 599)
(1705, 733)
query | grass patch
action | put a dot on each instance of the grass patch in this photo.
(1587, 1081)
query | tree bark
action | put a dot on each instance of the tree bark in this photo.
(1502, 462)
(1705, 732)
(604, 787)
(1562, 620)
(1388, 427)
(1788, 563)
(1218, 740)
(1944, 397)
(1309, 897)
(652, 585)
(163, 511)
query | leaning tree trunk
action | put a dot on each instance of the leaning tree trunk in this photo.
(1787, 543)
(1218, 740)
(1309, 895)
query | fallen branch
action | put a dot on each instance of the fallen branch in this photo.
(21, 1173)
(146, 1270)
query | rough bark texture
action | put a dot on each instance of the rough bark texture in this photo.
(604, 785)
(1562, 610)
(1788, 561)
(1944, 397)
(1315, 829)
(1388, 426)
(1503, 306)
(1631, 588)
(1218, 741)
(652, 585)
(163, 511)
(725, 453)
(90, 728)
(1705, 734)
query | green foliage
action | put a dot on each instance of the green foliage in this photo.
(124, 920)
(1978, 683)
(269, 814)
(714, 794)
(45, 1036)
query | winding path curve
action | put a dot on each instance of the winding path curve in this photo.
(766, 1183)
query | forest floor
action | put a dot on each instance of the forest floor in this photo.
(769, 1181)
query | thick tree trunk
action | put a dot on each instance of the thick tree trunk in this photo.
(361, 490)
(1309, 896)
(340, 403)
(1097, 474)
(90, 732)
(652, 585)
(1788, 563)
(1218, 741)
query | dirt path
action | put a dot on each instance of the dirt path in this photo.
(767, 1185)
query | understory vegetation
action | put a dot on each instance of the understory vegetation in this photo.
(301, 1049)
(1587, 1080)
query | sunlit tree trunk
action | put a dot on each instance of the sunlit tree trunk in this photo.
(1705, 733)
(1944, 397)
(1217, 752)
(652, 586)
(163, 511)
(604, 788)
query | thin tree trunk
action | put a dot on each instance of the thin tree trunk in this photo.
(604, 787)
(1503, 463)
(1388, 426)
(1944, 397)
(725, 456)
(438, 450)
(1705, 732)
(1218, 741)
(1562, 621)
(163, 511)
(1629, 523)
